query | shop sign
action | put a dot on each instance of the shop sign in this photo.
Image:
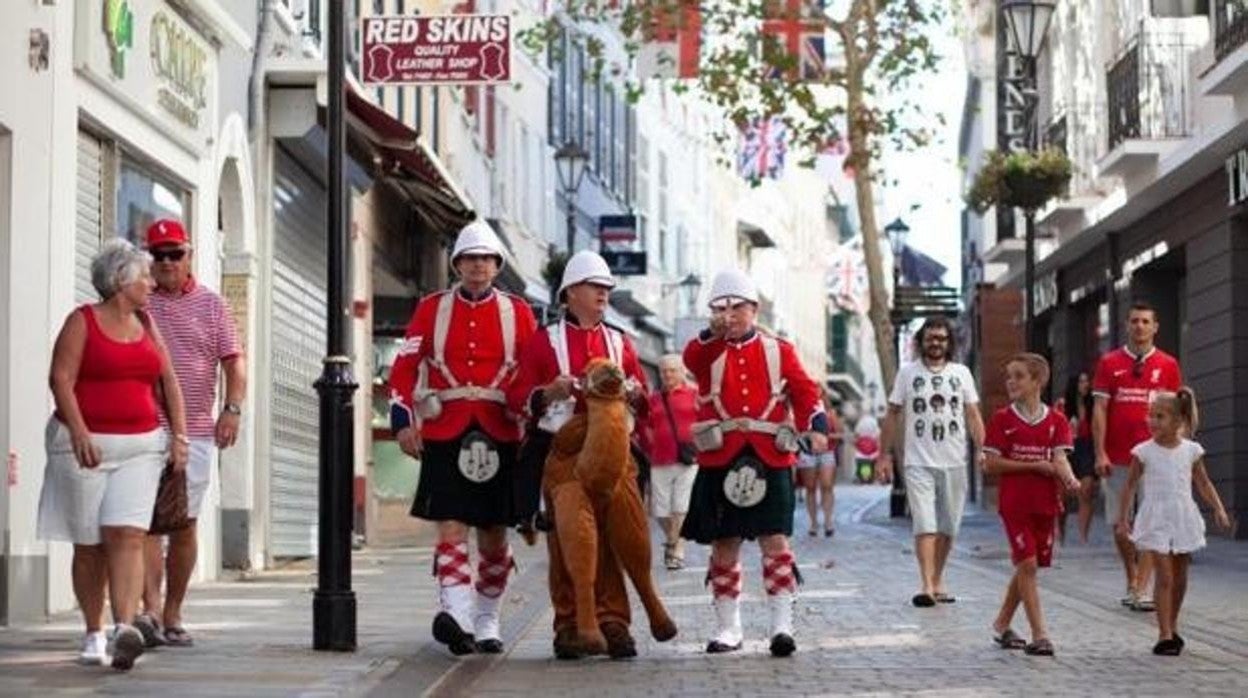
(435, 50)
(625, 262)
(1045, 295)
(1237, 178)
(617, 228)
(143, 52)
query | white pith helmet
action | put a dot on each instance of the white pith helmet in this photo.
(733, 283)
(477, 238)
(586, 266)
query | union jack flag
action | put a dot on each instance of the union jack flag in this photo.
(764, 143)
(799, 27)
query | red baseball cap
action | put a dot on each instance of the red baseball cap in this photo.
(166, 232)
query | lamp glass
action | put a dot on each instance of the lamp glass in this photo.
(570, 162)
(1028, 23)
(897, 232)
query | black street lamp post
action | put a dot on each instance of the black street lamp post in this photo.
(570, 162)
(333, 604)
(1028, 22)
(897, 232)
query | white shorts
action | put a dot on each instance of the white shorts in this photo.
(670, 487)
(1111, 491)
(76, 502)
(198, 474)
(937, 497)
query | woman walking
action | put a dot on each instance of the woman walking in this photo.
(106, 448)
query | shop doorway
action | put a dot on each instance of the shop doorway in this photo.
(1163, 284)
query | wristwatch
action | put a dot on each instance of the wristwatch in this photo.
(232, 409)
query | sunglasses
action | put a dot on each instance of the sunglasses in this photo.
(174, 255)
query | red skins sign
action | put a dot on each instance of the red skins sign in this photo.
(435, 50)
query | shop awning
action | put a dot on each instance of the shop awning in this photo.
(399, 154)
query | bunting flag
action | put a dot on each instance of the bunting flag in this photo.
(764, 143)
(847, 281)
(799, 28)
(672, 45)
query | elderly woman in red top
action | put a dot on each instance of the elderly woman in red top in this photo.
(747, 440)
(668, 440)
(106, 448)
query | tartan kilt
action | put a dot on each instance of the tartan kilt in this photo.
(444, 494)
(711, 516)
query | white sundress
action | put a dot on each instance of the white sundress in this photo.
(1168, 520)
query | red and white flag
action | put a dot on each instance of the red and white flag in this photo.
(672, 45)
(799, 28)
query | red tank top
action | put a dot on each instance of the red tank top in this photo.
(116, 387)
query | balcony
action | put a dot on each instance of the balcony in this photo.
(1147, 94)
(1229, 76)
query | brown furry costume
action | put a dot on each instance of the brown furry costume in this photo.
(599, 523)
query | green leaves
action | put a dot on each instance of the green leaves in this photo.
(1021, 179)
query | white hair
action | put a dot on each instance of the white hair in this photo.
(118, 263)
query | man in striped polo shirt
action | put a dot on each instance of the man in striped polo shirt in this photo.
(201, 335)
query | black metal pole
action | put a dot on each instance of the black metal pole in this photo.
(333, 604)
(569, 195)
(1029, 279)
(897, 496)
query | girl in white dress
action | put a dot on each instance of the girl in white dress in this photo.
(1169, 526)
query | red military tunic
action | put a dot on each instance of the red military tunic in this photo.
(474, 355)
(745, 392)
(539, 365)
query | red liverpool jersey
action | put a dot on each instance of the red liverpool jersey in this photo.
(1128, 381)
(1013, 437)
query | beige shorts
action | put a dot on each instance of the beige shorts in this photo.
(937, 497)
(1111, 492)
(76, 502)
(670, 487)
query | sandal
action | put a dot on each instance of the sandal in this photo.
(176, 636)
(150, 628)
(923, 600)
(1168, 648)
(1144, 605)
(1039, 648)
(1009, 640)
(813, 533)
(942, 597)
(829, 532)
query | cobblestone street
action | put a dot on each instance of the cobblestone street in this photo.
(857, 633)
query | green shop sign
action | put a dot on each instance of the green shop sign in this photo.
(119, 28)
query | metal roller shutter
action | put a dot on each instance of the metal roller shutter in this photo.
(89, 215)
(298, 346)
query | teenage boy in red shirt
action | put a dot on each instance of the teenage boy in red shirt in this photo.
(1026, 445)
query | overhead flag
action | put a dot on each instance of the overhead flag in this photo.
(764, 144)
(672, 46)
(799, 28)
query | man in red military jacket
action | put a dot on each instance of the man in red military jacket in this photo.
(747, 438)
(546, 390)
(449, 409)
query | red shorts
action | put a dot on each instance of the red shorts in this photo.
(1030, 535)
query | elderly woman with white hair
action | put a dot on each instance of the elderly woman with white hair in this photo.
(105, 446)
(668, 440)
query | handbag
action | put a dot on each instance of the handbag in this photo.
(685, 453)
(170, 513)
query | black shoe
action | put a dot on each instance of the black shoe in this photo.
(1168, 648)
(923, 600)
(782, 645)
(566, 646)
(1179, 639)
(717, 647)
(489, 646)
(620, 643)
(448, 632)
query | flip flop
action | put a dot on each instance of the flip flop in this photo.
(1144, 605)
(176, 636)
(1009, 640)
(923, 600)
(1040, 648)
(1168, 648)
(942, 597)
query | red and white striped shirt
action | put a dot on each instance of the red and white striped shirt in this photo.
(199, 330)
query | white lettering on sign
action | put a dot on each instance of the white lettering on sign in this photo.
(436, 50)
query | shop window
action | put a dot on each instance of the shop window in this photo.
(144, 196)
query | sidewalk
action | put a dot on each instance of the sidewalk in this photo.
(857, 633)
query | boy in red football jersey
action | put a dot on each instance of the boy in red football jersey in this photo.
(1026, 445)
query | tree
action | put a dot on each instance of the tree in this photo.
(748, 71)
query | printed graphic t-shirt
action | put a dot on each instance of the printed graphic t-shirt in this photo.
(934, 404)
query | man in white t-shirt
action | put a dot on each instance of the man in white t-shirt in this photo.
(941, 408)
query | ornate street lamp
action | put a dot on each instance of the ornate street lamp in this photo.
(570, 161)
(1028, 24)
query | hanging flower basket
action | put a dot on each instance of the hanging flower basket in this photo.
(1020, 180)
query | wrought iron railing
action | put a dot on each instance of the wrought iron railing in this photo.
(1230, 26)
(1147, 88)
